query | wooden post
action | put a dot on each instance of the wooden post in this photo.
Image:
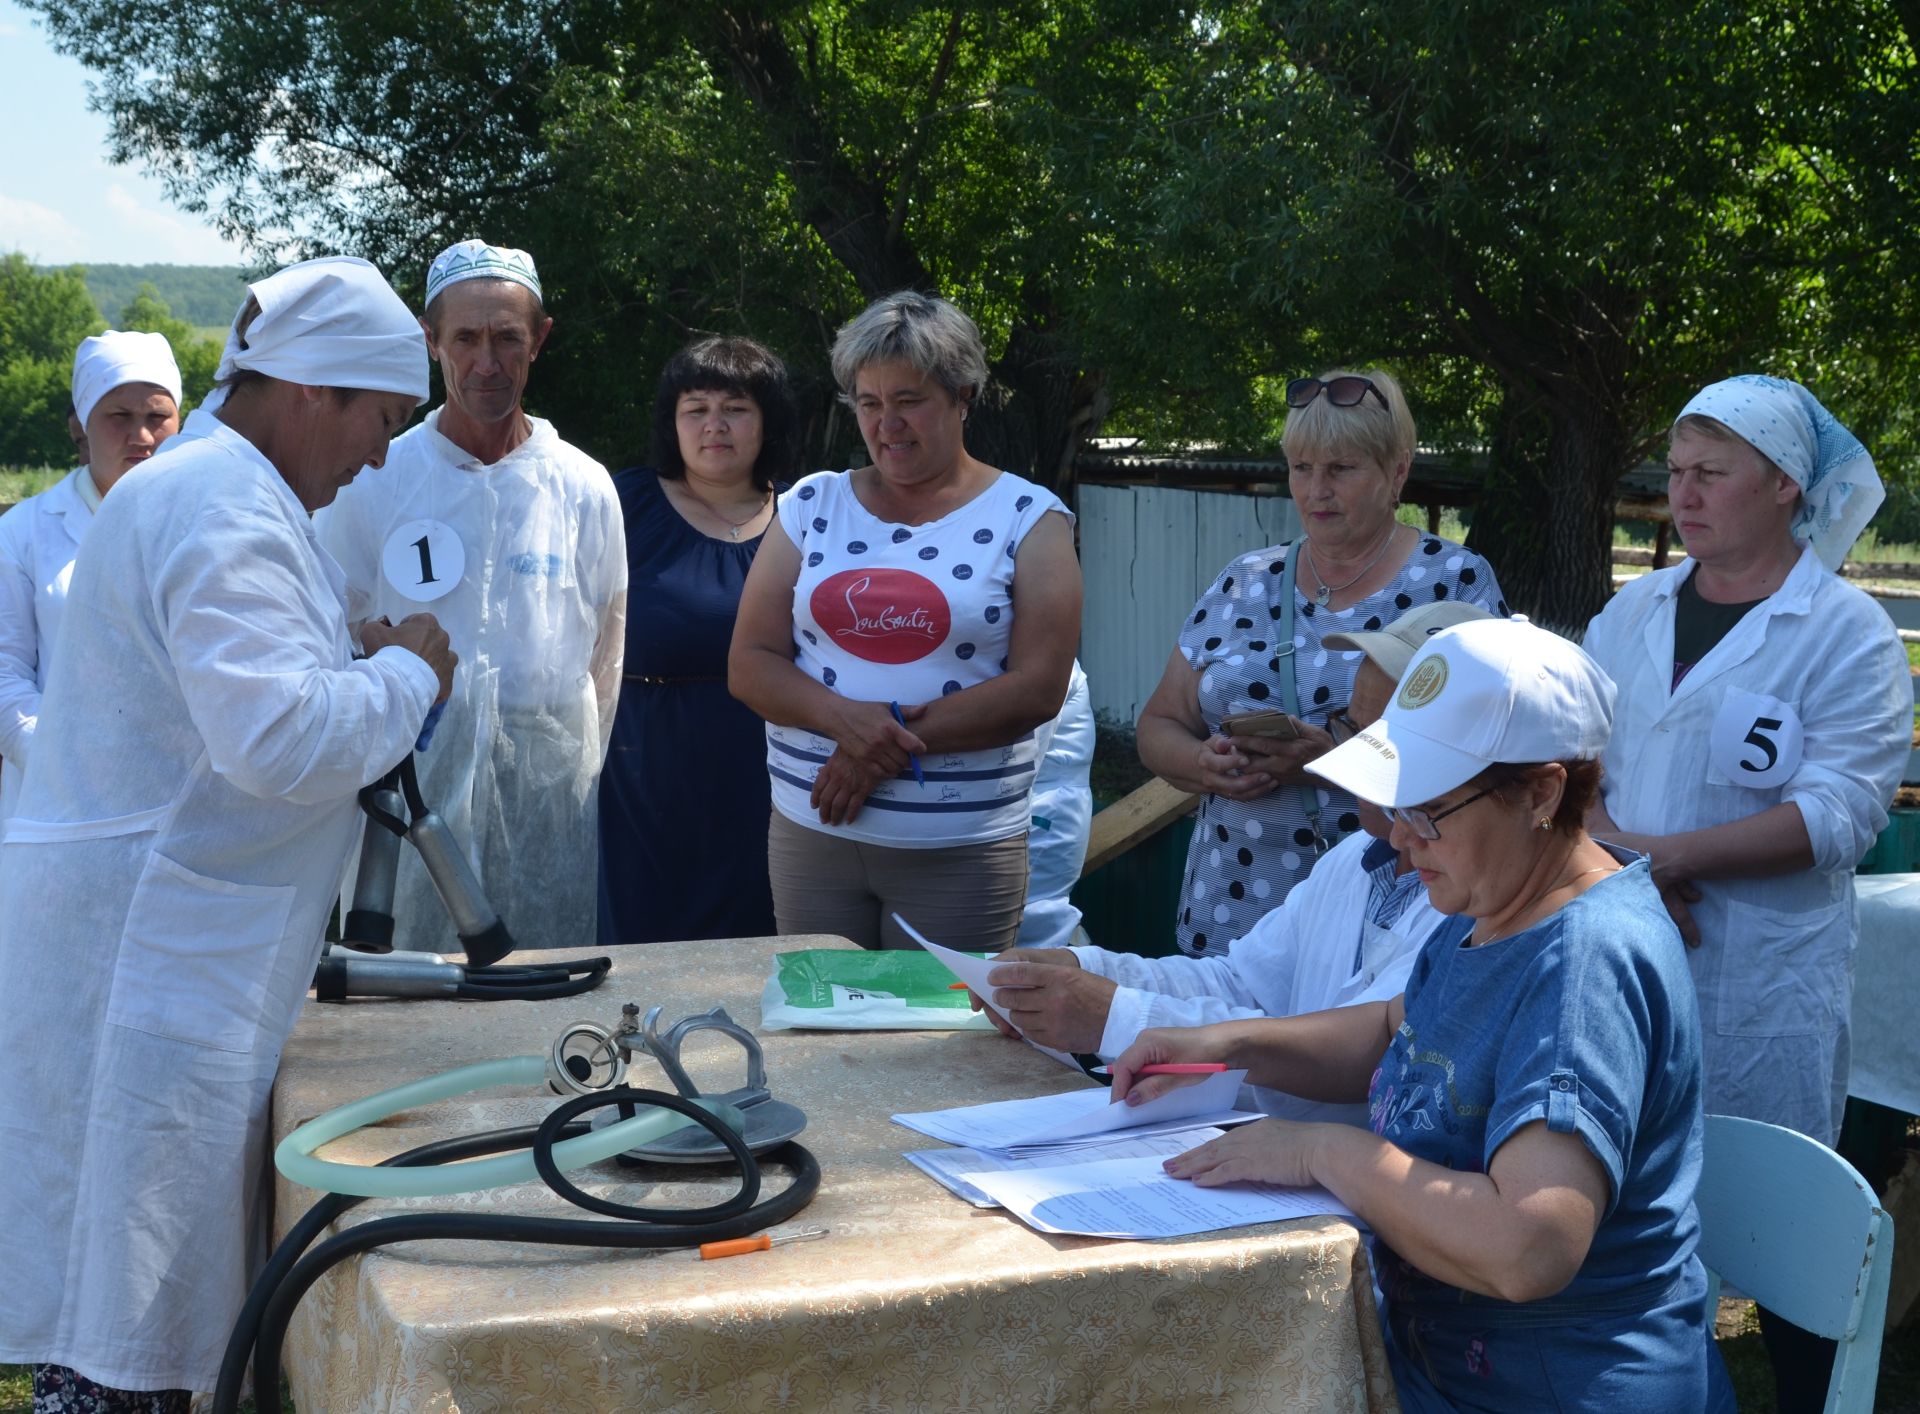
(1433, 518)
(1662, 539)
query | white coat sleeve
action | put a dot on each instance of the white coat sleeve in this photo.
(19, 637)
(345, 534)
(1857, 714)
(610, 646)
(280, 719)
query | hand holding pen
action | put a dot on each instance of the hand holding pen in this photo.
(919, 777)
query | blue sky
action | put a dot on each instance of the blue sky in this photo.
(60, 199)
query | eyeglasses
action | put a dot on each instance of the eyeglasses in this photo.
(1341, 727)
(1427, 826)
(1348, 390)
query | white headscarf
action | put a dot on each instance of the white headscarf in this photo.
(476, 260)
(1839, 489)
(329, 323)
(110, 360)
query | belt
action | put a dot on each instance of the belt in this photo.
(664, 682)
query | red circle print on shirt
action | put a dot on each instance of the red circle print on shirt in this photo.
(882, 615)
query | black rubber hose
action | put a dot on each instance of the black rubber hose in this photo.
(318, 1218)
(260, 1330)
(625, 1097)
(534, 983)
(566, 1232)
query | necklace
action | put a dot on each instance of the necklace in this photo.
(1327, 591)
(1597, 869)
(734, 527)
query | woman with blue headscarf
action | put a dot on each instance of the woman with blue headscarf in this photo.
(1761, 728)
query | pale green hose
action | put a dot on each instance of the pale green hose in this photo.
(294, 1156)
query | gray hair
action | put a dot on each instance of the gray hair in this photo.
(925, 331)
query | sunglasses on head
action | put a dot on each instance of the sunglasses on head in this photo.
(1346, 391)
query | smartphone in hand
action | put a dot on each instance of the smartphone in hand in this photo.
(1267, 723)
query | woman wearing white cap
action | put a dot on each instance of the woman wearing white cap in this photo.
(1534, 1095)
(1764, 714)
(126, 402)
(179, 843)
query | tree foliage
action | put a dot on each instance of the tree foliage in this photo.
(43, 317)
(1555, 218)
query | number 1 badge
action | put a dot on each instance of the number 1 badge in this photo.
(424, 559)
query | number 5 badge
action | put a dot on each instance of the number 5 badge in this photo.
(424, 559)
(1756, 741)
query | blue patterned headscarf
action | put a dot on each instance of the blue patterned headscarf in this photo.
(1839, 489)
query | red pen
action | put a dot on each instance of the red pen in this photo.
(1171, 1068)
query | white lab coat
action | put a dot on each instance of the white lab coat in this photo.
(1814, 681)
(168, 877)
(38, 541)
(536, 609)
(1317, 950)
(1062, 816)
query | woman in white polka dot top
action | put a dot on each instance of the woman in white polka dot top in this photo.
(1349, 445)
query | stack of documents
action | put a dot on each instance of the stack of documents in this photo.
(1074, 1163)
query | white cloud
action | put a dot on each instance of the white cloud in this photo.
(164, 235)
(39, 231)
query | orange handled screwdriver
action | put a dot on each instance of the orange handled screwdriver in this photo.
(739, 1246)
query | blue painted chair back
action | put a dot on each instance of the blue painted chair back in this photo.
(1793, 1225)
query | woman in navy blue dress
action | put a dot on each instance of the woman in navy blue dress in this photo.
(683, 798)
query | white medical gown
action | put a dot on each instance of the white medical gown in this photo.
(168, 874)
(524, 563)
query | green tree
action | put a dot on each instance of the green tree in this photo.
(43, 317)
(1560, 219)
(198, 357)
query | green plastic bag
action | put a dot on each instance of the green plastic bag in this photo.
(838, 989)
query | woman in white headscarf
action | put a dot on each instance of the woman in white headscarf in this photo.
(179, 843)
(1762, 725)
(126, 402)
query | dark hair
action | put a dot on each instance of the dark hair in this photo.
(745, 368)
(1582, 788)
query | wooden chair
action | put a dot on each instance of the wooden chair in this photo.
(1790, 1223)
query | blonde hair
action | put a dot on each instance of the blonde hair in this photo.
(1714, 430)
(1382, 434)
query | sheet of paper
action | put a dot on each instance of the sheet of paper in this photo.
(1136, 1198)
(1081, 1116)
(953, 1169)
(973, 971)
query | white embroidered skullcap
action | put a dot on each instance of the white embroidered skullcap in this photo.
(476, 260)
(329, 323)
(107, 361)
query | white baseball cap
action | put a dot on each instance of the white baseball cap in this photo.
(1392, 648)
(1481, 692)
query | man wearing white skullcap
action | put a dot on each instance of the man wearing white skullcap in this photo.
(126, 402)
(179, 841)
(515, 540)
(1763, 727)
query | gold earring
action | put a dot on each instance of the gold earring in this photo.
(1546, 823)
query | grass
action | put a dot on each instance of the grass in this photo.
(19, 482)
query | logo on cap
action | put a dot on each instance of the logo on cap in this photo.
(1425, 683)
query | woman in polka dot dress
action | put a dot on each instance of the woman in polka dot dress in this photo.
(1349, 444)
(930, 585)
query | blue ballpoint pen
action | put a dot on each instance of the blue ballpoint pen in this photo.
(912, 760)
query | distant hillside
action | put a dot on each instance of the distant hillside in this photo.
(202, 295)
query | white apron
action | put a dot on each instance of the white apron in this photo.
(524, 563)
(39, 539)
(1807, 700)
(168, 877)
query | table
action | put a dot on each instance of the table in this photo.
(915, 1301)
(1885, 1065)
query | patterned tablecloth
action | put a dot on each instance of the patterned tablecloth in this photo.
(916, 1301)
